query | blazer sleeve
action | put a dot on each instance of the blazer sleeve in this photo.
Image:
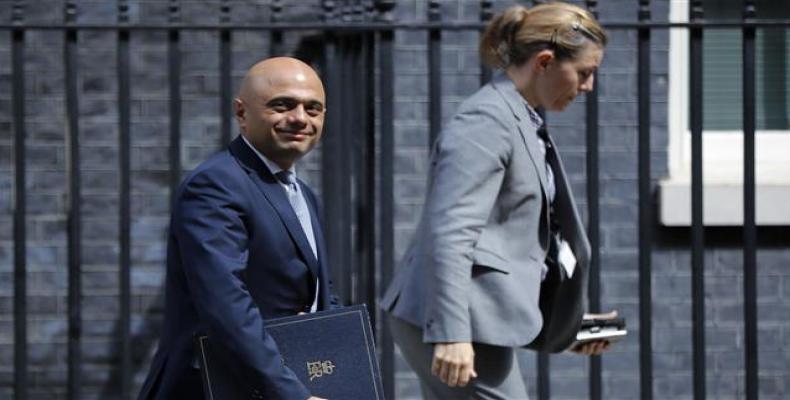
(468, 167)
(212, 241)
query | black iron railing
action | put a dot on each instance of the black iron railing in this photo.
(359, 36)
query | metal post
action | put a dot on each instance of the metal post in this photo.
(697, 228)
(124, 148)
(593, 212)
(386, 201)
(368, 226)
(276, 45)
(486, 13)
(749, 223)
(74, 213)
(645, 210)
(225, 61)
(174, 78)
(434, 71)
(20, 209)
(335, 178)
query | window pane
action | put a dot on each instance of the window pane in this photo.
(722, 69)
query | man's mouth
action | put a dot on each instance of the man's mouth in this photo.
(297, 135)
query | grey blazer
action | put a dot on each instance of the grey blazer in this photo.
(473, 269)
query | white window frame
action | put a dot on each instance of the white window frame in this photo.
(722, 156)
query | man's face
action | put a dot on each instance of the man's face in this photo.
(283, 115)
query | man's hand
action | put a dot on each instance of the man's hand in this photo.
(454, 363)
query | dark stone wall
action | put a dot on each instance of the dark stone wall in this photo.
(47, 199)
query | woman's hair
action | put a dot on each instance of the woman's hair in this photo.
(518, 33)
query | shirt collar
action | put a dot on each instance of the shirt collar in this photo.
(273, 167)
(534, 117)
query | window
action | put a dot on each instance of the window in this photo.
(722, 118)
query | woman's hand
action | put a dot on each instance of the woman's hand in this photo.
(454, 363)
(595, 348)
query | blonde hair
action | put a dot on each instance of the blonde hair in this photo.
(515, 35)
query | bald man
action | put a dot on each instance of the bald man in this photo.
(245, 242)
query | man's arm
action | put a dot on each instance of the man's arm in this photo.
(213, 246)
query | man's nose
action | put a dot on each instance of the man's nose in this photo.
(298, 115)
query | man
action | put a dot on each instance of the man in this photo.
(245, 242)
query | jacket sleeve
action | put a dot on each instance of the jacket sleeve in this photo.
(467, 170)
(212, 241)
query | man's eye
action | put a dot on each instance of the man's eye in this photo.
(280, 105)
(314, 110)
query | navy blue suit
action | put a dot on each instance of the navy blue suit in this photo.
(236, 255)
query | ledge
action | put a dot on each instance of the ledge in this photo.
(723, 203)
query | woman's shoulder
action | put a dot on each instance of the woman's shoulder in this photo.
(485, 100)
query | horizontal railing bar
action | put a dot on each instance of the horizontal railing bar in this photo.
(378, 26)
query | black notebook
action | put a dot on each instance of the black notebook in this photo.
(332, 352)
(595, 329)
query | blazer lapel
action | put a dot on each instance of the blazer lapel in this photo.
(274, 193)
(505, 87)
(571, 225)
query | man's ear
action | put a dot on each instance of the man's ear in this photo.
(543, 59)
(240, 111)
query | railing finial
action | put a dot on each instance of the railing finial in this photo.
(224, 12)
(123, 11)
(370, 10)
(18, 12)
(749, 9)
(434, 10)
(592, 7)
(175, 11)
(644, 10)
(329, 10)
(358, 12)
(696, 10)
(384, 10)
(277, 10)
(486, 10)
(70, 12)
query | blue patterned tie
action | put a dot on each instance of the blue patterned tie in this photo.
(299, 205)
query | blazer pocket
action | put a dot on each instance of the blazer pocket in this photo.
(485, 258)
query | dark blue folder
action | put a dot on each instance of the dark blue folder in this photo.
(332, 352)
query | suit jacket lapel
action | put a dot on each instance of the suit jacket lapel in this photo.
(515, 102)
(571, 226)
(274, 193)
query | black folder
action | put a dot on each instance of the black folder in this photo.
(332, 352)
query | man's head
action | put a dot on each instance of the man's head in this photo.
(280, 109)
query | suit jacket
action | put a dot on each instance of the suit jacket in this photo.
(236, 255)
(473, 270)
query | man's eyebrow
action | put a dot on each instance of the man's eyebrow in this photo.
(296, 100)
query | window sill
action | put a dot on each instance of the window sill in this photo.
(723, 203)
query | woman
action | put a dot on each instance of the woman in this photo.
(499, 216)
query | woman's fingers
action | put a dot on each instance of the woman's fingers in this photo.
(593, 348)
(453, 363)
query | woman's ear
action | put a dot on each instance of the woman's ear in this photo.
(543, 59)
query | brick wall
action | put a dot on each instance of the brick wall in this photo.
(47, 200)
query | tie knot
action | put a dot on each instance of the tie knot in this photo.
(286, 177)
